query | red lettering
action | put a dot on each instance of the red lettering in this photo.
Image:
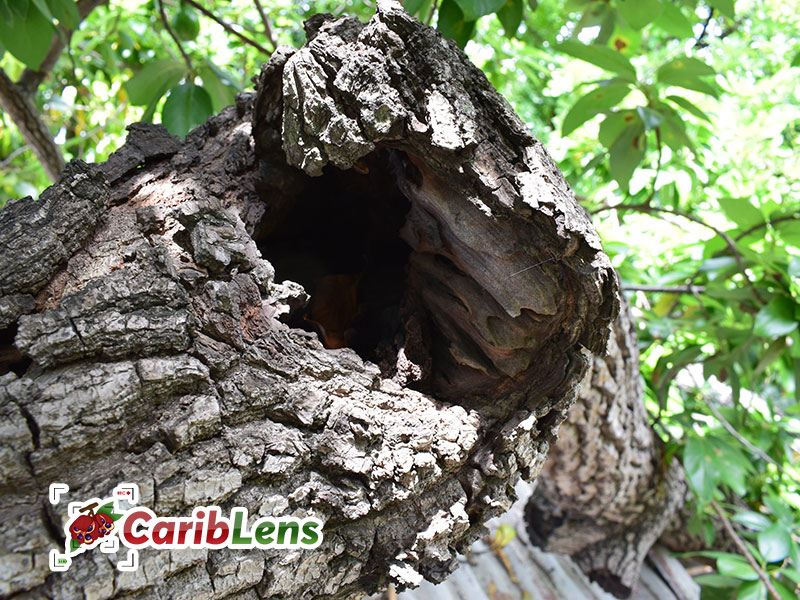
(130, 532)
(217, 530)
(183, 528)
(163, 532)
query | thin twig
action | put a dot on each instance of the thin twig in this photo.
(267, 26)
(13, 155)
(666, 289)
(740, 545)
(742, 440)
(646, 208)
(658, 167)
(746, 232)
(174, 37)
(228, 28)
(433, 11)
(700, 37)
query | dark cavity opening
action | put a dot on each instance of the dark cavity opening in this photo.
(11, 359)
(338, 235)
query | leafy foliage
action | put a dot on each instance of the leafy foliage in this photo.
(677, 123)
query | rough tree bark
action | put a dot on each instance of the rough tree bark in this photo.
(148, 340)
(606, 493)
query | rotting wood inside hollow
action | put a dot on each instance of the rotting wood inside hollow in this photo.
(339, 236)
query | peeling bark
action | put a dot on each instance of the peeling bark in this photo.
(606, 494)
(155, 343)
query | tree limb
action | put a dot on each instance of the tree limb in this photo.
(33, 130)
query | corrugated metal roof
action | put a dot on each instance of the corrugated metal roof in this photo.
(545, 576)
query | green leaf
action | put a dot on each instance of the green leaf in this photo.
(638, 13)
(626, 154)
(19, 8)
(774, 543)
(154, 80)
(686, 105)
(687, 72)
(5, 15)
(701, 469)
(776, 318)
(726, 7)
(685, 66)
(510, 16)
(187, 106)
(784, 592)
(650, 118)
(673, 21)
(475, 9)
(600, 56)
(599, 99)
(752, 590)
(752, 520)
(452, 24)
(27, 38)
(413, 6)
(741, 211)
(734, 565)
(612, 126)
(790, 232)
(43, 8)
(66, 11)
(717, 581)
(74, 545)
(222, 94)
(673, 132)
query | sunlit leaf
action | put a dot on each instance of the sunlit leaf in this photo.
(475, 9)
(638, 13)
(186, 107)
(66, 11)
(726, 7)
(686, 105)
(27, 38)
(600, 56)
(626, 154)
(510, 16)
(774, 543)
(776, 318)
(599, 99)
(752, 590)
(218, 86)
(673, 21)
(741, 211)
(154, 80)
(737, 566)
(650, 117)
(752, 520)
(453, 25)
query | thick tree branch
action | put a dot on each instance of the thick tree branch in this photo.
(33, 130)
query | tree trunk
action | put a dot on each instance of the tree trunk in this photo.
(606, 494)
(455, 281)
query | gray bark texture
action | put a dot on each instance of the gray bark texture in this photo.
(606, 492)
(147, 338)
